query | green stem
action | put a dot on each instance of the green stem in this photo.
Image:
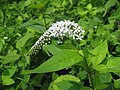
(89, 73)
(45, 21)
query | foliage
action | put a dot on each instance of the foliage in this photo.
(92, 63)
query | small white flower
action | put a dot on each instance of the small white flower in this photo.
(95, 27)
(58, 30)
(5, 37)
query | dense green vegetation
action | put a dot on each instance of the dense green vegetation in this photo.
(92, 63)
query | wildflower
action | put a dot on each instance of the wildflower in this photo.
(95, 27)
(5, 37)
(58, 30)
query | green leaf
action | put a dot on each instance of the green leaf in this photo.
(101, 68)
(52, 49)
(24, 86)
(7, 74)
(1, 15)
(81, 11)
(50, 10)
(66, 82)
(39, 4)
(100, 79)
(35, 81)
(61, 60)
(21, 42)
(11, 57)
(1, 44)
(67, 78)
(26, 78)
(110, 3)
(89, 6)
(113, 64)
(71, 2)
(99, 53)
(30, 22)
(101, 87)
(7, 80)
(82, 42)
(66, 85)
(82, 75)
(28, 2)
(117, 83)
(86, 88)
(10, 71)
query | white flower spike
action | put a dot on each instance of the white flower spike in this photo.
(58, 30)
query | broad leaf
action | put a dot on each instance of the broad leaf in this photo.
(100, 79)
(66, 82)
(66, 85)
(99, 53)
(7, 80)
(67, 78)
(113, 64)
(52, 49)
(101, 68)
(21, 42)
(89, 6)
(10, 71)
(117, 83)
(30, 22)
(11, 57)
(61, 60)
(110, 3)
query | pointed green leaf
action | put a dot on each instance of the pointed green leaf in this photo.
(117, 83)
(89, 6)
(21, 42)
(10, 71)
(7, 80)
(12, 56)
(67, 78)
(99, 53)
(113, 64)
(52, 49)
(101, 68)
(64, 83)
(100, 80)
(110, 3)
(61, 60)
(1, 15)
(28, 23)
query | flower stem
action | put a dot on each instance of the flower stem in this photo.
(89, 73)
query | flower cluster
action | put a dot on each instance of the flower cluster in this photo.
(58, 30)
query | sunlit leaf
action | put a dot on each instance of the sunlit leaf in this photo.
(99, 53)
(7, 80)
(101, 68)
(113, 64)
(66, 82)
(52, 49)
(89, 6)
(61, 60)
(117, 83)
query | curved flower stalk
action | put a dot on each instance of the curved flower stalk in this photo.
(58, 30)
